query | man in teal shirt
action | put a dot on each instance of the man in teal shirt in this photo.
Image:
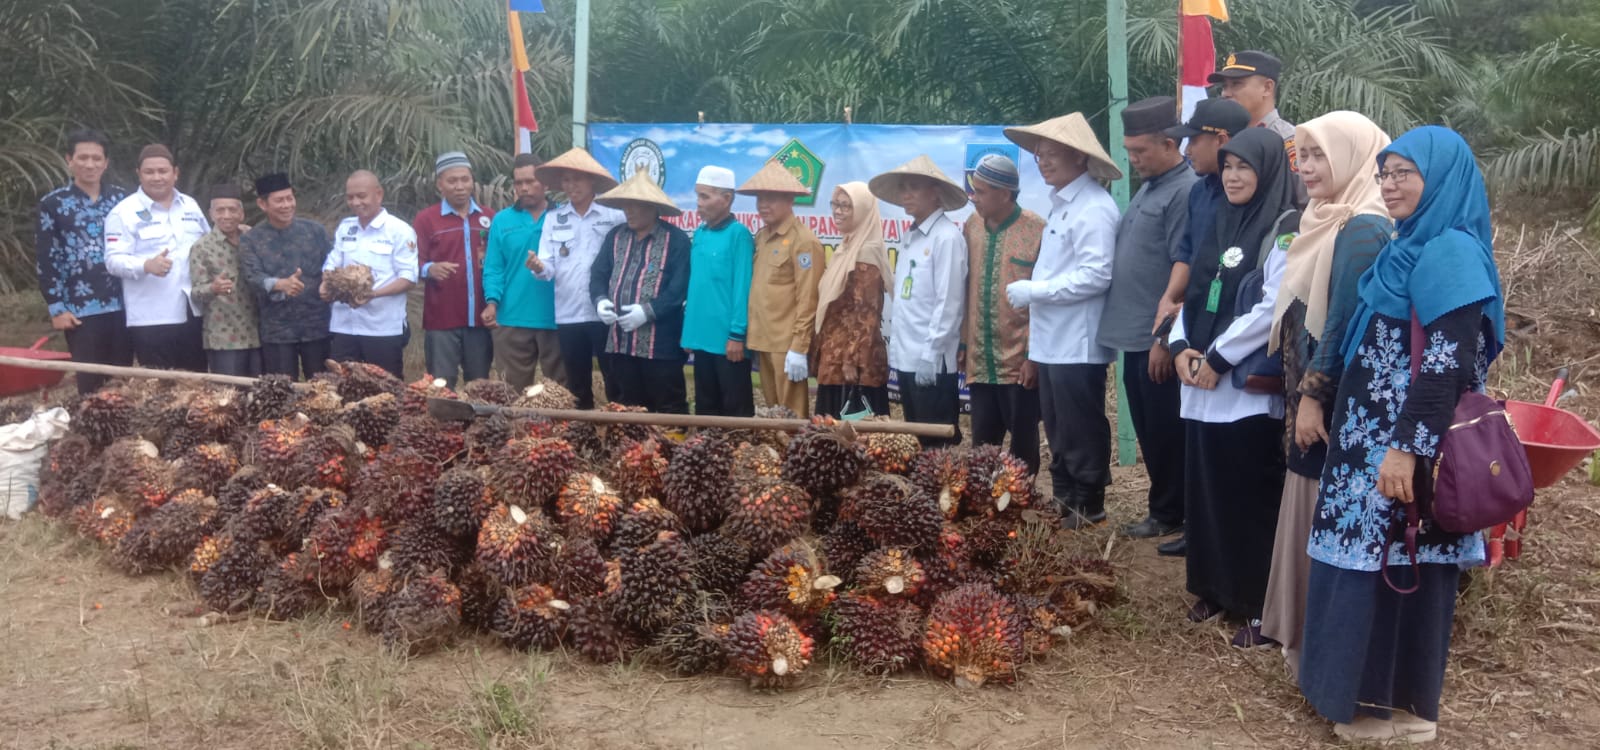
(519, 307)
(717, 310)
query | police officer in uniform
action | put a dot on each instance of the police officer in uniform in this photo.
(1251, 79)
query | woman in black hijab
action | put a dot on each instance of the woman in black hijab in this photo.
(1234, 462)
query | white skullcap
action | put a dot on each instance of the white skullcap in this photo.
(717, 177)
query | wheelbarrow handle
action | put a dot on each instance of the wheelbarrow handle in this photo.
(1557, 387)
(41, 342)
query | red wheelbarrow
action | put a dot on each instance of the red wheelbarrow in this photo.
(15, 381)
(1556, 441)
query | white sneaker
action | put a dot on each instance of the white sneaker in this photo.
(1414, 729)
(1366, 729)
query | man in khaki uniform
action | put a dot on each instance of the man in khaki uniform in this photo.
(783, 290)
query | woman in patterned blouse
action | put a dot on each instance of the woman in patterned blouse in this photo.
(848, 355)
(1373, 659)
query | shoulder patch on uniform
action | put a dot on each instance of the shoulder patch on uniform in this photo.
(804, 259)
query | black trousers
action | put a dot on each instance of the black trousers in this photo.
(1233, 490)
(388, 352)
(1072, 401)
(831, 399)
(170, 347)
(1153, 409)
(465, 351)
(655, 384)
(308, 357)
(245, 363)
(581, 345)
(722, 387)
(1001, 409)
(939, 403)
(103, 340)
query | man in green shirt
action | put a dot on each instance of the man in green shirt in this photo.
(518, 306)
(717, 312)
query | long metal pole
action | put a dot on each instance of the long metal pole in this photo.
(580, 78)
(1117, 67)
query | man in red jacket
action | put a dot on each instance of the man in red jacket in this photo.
(452, 236)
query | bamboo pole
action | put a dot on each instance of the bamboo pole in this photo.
(61, 365)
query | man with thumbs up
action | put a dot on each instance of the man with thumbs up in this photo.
(148, 237)
(282, 262)
(230, 321)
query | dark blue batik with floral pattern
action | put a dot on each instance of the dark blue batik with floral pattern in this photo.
(70, 245)
(1378, 408)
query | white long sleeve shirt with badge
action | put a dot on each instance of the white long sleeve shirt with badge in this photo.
(930, 287)
(1068, 291)
(567, 248)
(1244, 335)
(388, 246)
(139, 229)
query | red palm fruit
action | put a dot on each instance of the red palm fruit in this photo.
(695, 484)
(881, 635)
(433, 439)
(974, 635)
(942, 474)
(531, 617)
(206, 467)
(397, 484)
(106, 416)
(768, 515)
(890, 572)
(823, 458)
(639, 469)
(545, 394)
(423, 615)
(515, 546)
(414, 399)
(768, 648)
(165, 537)
(530, 471)
(363, 380)
(791, 580)
(587, 507)
(491, 392)
(640, 524)
(890, 452)
(657, 582)
(996, 481)
(344, 543)
(893, 512)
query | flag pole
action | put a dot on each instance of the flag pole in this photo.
(580, 78)
(1179, 56)
(1117, 66)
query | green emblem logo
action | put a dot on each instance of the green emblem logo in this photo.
(805, 166)
(643, 155)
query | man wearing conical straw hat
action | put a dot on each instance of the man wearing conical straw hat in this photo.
(930, 284)
(642, 274)
(1065, 299)
(783, 290)
(568, 244)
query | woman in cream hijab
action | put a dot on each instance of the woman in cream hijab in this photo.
(849, 357)
(1341, 232)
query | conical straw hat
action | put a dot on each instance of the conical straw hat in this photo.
(887, 186)
(639, 189)
(575, 160)
(773, 178)
(1072, 131)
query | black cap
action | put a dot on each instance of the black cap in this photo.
(227, 190)
(268, 184)
(1248, 63)
(1213, 116)
(1151, 115)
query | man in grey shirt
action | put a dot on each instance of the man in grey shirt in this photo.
(1147, 247)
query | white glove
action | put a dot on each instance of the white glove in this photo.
(1020, 293)
(631, 318)
(927, 377)
(608, 312)
(794, 365)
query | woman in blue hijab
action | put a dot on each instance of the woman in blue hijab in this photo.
(1374, 659)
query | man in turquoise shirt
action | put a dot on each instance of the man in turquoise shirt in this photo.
(519, 307)
(717, 310)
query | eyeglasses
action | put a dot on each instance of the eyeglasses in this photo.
(1399, 176)
(837, 206)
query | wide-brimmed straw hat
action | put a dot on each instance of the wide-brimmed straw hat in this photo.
(774, 178)
(887, 186)
(639, 189)
(575, 160)
(1072, 131)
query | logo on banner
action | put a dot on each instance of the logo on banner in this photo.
(805, 166)
(643, 155)
(976, 152)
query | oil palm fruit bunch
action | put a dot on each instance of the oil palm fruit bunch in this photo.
(974, 635)
(695, 484)
(791, 580)
(767, 515)
(823, 458)
(768, 648)
(881, 635)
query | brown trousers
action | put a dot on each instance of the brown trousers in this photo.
(776, 388)
(517, 351)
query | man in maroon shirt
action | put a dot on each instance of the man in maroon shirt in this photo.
(452, 236)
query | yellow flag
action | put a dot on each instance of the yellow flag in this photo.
(1217, 9)
(519, 53)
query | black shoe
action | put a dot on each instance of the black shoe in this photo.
(1073, 519)
(1204, 611)
(1150, 528)
(1176, 548)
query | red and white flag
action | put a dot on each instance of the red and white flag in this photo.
(525, 122)
(1197, 51)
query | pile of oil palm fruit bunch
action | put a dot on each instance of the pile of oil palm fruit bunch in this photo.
(755, 553)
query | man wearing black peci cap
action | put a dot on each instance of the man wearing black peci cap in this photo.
(1213, 123)
(1148, 238)
(282, 259)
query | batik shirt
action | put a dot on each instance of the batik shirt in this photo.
(1379, 408)
(269, 254)
(229, 321)
(71, 251)
(996, 334)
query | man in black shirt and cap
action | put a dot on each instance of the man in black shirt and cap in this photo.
(282, 260)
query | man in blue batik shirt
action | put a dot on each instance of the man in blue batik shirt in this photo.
(84, 299)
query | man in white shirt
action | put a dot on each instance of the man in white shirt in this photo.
(1065, 299)
(148, 236)
(930, 287)
(373, 330)
(568, 244)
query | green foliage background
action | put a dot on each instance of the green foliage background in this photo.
(323, 87)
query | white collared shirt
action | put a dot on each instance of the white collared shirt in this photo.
(930, 287)
(388, 246)
(1244, 335)
(567, 247)
(138, 229)
(1072, 275)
